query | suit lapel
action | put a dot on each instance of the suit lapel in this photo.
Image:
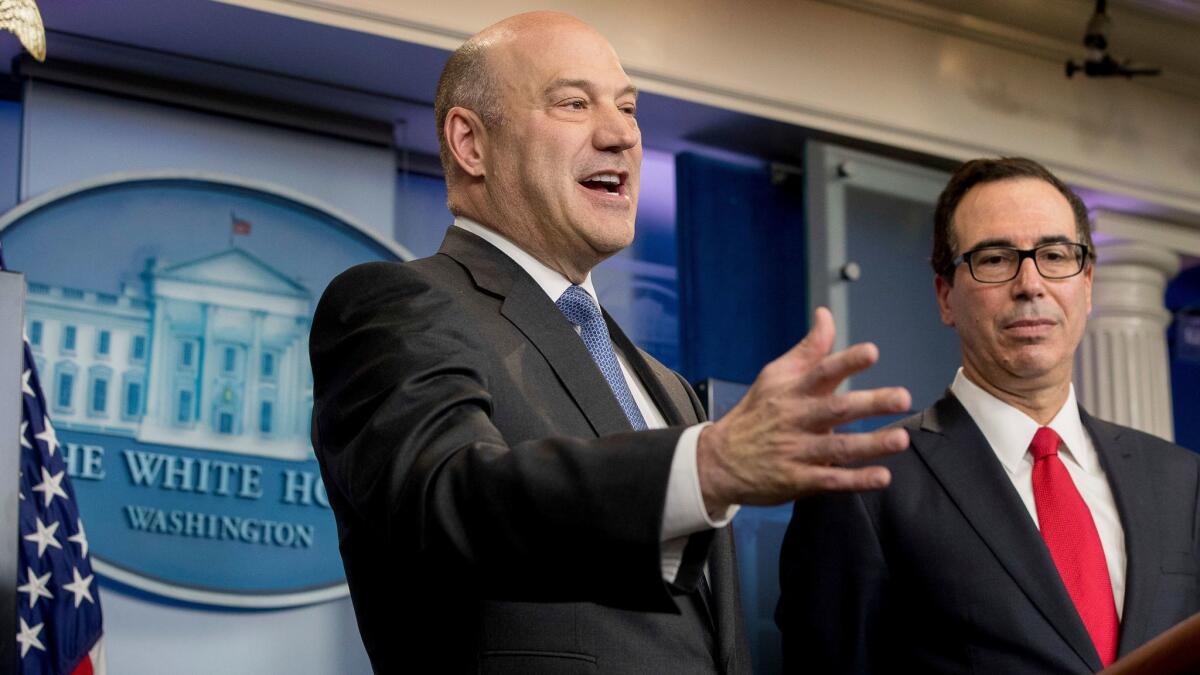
(966, 467)
(1132, 492)
(531, 311)
(723, 572)
(670, 403)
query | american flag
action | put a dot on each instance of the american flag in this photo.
(58, 599)
(238, 225)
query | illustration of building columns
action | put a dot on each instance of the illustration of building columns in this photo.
(251, 399)
(1121, 368)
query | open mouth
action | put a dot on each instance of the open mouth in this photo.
(607, 182)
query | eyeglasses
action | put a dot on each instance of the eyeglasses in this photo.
(997, 264)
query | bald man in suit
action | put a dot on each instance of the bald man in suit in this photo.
(518, 488)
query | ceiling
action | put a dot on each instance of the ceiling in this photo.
(1162, 33)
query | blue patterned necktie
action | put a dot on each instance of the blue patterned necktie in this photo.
(579, 308)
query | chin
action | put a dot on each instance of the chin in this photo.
(1038, 365)
(609, 238)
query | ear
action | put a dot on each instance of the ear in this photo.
(1087, 281)
(467, 140)
(942, 288)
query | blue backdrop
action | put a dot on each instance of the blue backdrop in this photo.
(1183, 299)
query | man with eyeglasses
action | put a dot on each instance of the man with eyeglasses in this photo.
(1020, 534)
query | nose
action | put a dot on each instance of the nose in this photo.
(616, 130)
(1029, 282)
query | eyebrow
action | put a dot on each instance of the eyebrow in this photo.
(1048, 239)
(588, 85)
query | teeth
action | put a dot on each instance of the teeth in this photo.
(610, 178)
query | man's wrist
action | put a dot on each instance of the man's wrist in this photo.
(686, 510)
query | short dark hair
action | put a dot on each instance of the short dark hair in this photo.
(467, 82)
(980, 171)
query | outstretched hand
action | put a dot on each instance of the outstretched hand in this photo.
(778, 444)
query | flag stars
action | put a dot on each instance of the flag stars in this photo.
(48, 436)
(44, 537)
(24, 442)
(80, 587)
(51, 486)
(80, 538)
(25, 386)
(36, 587)
(28, 637)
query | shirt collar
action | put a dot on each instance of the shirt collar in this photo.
(551, 281)
(1010, 431)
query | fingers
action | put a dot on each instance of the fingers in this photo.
(817, 343)
(853, 448)
(831, 370)
(836, 479)
(832, 411)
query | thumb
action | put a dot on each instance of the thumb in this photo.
(819, 341)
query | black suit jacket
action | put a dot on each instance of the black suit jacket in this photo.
(496, 512)
(945, 571)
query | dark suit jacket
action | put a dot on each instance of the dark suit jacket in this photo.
(496, 512)
(945, 571)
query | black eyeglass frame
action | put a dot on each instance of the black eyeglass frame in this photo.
(1084, 256)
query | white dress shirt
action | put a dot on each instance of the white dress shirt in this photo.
(1010, 431)
(684, 512)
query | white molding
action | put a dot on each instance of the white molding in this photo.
(217, 598)
(375, 23)
(124, 177)
(1177, 238)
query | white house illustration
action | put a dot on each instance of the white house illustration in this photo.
(212, 355)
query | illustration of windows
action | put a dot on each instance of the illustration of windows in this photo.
(137, 348)
(103, 342)
(225, 418)
(187, 354)
(183, 409)
(64, 386)
(98, 391)
(35, 333)
(264, 417)
(131, 408)
(68, 339)
(267, 372)
(229, 359)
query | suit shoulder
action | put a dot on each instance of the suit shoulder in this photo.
(912, 422)
(367, 282)
(355, 279)
(400, 295)
(1146, 443)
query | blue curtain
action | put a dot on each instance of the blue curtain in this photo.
(742, 290)
(1183, 299)
(742, 302)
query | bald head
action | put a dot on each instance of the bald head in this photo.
(470, 79)
(539, 139)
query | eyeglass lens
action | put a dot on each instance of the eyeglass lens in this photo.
(1053, 261)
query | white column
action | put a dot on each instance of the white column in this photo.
(251, 406)
(1121, 368)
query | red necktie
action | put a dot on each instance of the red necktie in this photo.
(1074, 543)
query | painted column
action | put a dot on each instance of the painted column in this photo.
(251, 400)
(1121, 369)
(207, 368)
